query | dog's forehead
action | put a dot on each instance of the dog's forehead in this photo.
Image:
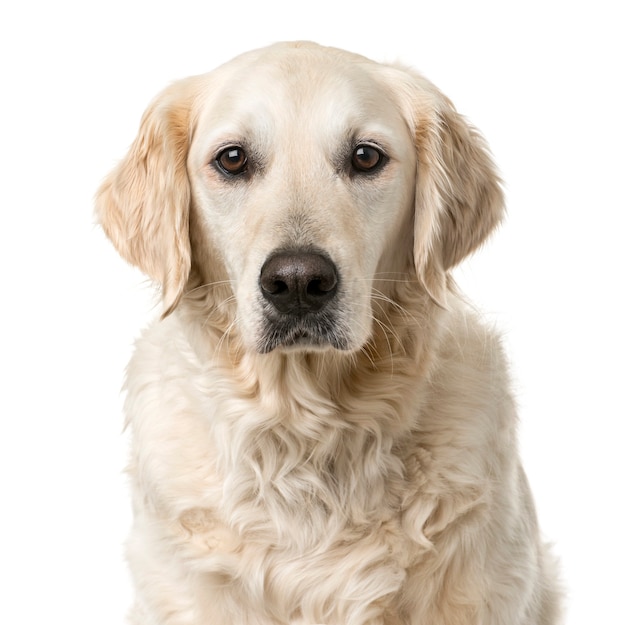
(298, 83)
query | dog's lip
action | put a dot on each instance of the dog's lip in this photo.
(301, 332)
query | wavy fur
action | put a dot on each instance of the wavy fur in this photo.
(377, 485)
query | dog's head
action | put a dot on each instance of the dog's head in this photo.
(306, 179)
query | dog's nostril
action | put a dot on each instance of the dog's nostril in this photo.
(298, 282)
(275, 287)
(319, 288)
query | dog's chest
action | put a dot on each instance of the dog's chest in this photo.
(303, 520)
(297, 506)
(302, 492)
(299, 558)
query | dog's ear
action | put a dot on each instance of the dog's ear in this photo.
(143, 205)
(458, 198)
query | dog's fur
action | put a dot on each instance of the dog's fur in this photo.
(348, 467)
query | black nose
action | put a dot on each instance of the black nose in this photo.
(296, 283)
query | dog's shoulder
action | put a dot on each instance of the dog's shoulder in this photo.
(470, 413)
(470, 348)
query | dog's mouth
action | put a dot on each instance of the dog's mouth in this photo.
(316, 332)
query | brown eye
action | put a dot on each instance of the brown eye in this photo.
(232, 160)
(366, 158)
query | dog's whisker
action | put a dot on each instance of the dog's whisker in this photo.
(206, 285)
(378, 297)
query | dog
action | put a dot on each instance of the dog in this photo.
(323, 431)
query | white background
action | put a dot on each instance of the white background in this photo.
(543, 80)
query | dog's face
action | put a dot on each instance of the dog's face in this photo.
(303, 178)
(312, 178)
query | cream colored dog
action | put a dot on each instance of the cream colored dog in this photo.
(322, 431)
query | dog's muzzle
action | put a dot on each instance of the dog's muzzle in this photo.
(300, 291)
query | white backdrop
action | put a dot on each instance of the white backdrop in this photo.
(543, 80)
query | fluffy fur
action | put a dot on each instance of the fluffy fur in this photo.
(359, 471)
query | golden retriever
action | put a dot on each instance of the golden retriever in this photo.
(322, 431)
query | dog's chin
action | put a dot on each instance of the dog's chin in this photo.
(302, 335)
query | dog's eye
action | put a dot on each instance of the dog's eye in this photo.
(232, 160)
(367, 158)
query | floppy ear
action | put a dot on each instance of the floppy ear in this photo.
(143, 205)
(459, 199)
